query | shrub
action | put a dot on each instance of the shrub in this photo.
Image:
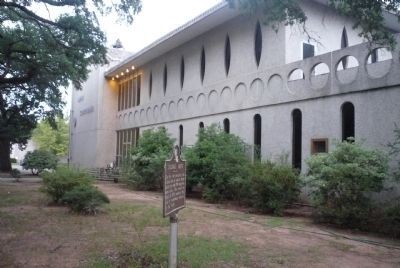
(391, 220)
(217, 161)
(62, 180)
(13, 160)
(274, 186)
(16, 174)
(341, 182)
(39, 160)
(144, 165)
(85, 199)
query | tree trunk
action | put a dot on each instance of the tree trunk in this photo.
(5, 150)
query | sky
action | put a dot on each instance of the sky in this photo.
(157, 18)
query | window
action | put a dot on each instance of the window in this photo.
(182, 71)
(150, 84)
(319, 146)
(202, 64)
(126, 139)
(226, 125)
(258, 43)
(296, 138)
(257, 137)
(165, 79)
(343, 44)
(308, 51)
(227, 54)
(129, 92)
(201, 125)
(348, 128)
(180, 136)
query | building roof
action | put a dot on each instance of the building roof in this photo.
(195, 27)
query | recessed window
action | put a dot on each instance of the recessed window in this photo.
(348, 129)
(258, 43)
(308, 50)
(182, 71)
(296, 138)
(150, 84)
(180, 136)
(343, 44)
(319, 146)
(165, 79)
(227, 54)
(202, 64)
(227, 125)
(201, 125)
(257, 137)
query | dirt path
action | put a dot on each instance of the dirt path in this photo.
(290, 242)
(33, 234)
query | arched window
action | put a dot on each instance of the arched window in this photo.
(202, 64)
(226, 125)
(258, 43)
(180, 136)
(150, 83)
(257, 137)
(296, 138)
(348, 128)
(201, 125)
(227, 54)
(165, 78)
(343, 44)
(182, 71)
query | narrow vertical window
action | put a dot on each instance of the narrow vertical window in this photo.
(201, 125)
(180, 136)
(308, 51)
(139, 82)
(165, 79)
(227, 54)
(226, 125)
(296, 138)
(343, 44)
(150, 83)
(257, 137)
(182, 72)
(258, 43)
(119, 97)
(130, 90)
(348, 128)
(202, 64)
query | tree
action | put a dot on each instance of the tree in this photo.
(367, 14)
(39, 160)
(52, 139)
(40, 55)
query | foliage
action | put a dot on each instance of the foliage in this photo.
(15, 173)
(342, 181)
(13, 160)
(62, 180)
(41, 54)
(394, 151)
(217, 161)
(39, 160)
(274, 186)
(85, 199)
(368, 16)
(52, 139)
(391, 220)
(144, 165)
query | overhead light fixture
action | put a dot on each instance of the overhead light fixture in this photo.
(133, 67)
(117, 76)
(127, 70)
(122, 73)
(112, 79)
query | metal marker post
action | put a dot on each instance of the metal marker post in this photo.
(173, 241)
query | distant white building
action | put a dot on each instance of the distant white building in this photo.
(278, 91)
(19, 154)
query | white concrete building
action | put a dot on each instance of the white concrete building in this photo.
(276, 90)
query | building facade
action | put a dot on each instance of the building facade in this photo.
(281, 92)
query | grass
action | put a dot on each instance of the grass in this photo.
(194, 251)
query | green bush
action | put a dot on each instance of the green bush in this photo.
(391, 220)
(218, 161)
(13, 160)
(62, 180)
(39, 160)
(274, 186)
(16, 174)
(342, 181)
(144, 165)
(85, 199)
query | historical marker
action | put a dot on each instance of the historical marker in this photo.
(174, 199)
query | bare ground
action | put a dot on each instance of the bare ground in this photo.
(33, 234)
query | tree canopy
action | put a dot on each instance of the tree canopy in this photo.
(52, 139)
(39, 56)
(368, 15)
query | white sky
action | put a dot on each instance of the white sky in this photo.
(157, 18)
